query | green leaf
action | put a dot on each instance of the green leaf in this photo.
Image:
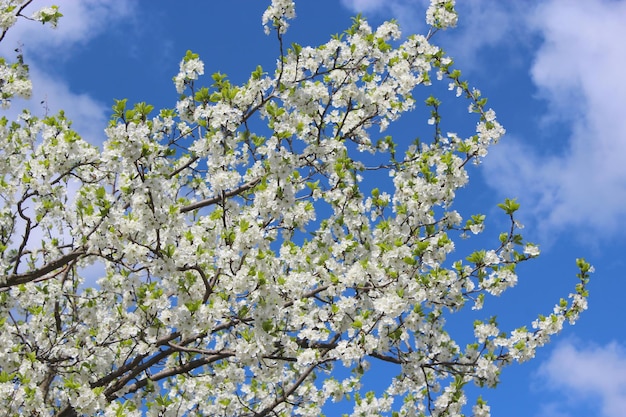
(432, 101)
(119, 107)
(267, 325)
(258, 73)
(297, 49)
(6, 377)
(583, 265)
(190, 56)
(509, 206)
(193, 306)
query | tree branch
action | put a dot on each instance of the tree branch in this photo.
(17, 279)
(214, 200)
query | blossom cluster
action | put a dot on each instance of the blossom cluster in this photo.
(441, 14)
(243, 266)
(277, 14)
(14, 80)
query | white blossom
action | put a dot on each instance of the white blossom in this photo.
(247, 249)
(441, 14)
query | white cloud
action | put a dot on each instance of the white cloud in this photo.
(82, 21)
(411, 14)
(88, 116)
(482, 23)
(552, 410)
(586, 375)
(577, 69)
(365, 6)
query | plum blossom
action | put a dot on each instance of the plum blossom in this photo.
(244, 252)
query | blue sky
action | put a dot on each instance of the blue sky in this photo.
(553, 71)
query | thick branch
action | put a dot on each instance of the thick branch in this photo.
(17, 279)
(216, 199)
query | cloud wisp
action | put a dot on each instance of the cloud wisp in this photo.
(81, 23)
(577, 69)
(482, 23)
(410, 14)
(587, 376)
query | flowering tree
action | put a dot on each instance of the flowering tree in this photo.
(247, 255)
